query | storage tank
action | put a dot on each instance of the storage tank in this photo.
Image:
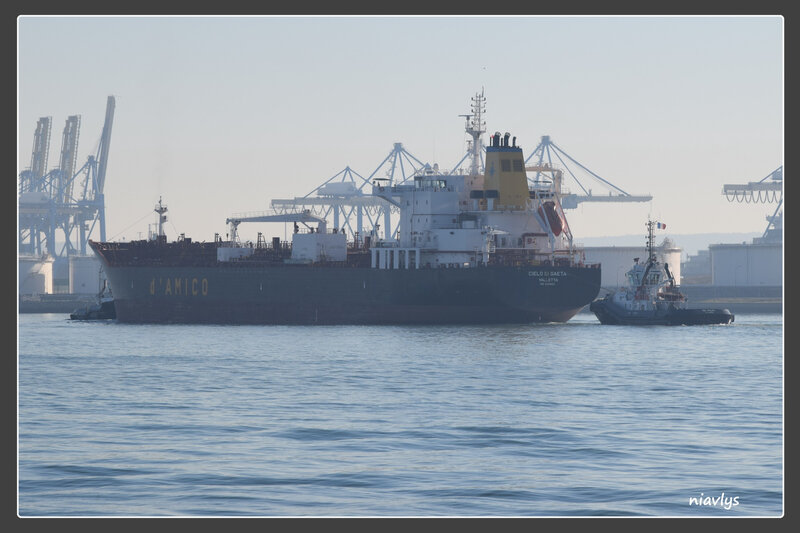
(84, 275)
(35, 275)
(737, 265)
(615, 261)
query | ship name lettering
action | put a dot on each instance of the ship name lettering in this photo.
(203, 286)
(534, 273)
(180, 286)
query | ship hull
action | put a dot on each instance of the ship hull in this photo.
(304, 294)
(609, 313)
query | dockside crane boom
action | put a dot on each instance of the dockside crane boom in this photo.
(69, 158)
(547, 155)
(768, 189)
(41, 148)
(105, 145)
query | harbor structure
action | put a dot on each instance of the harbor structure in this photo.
(746, 276)
(61, 209)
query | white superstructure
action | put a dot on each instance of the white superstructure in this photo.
(459, 221)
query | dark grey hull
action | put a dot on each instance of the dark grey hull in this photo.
(302, 294)
(609, 313)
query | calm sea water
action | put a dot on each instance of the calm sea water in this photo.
(574, 419)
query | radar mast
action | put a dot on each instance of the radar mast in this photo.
(161, 209)
(475, 127)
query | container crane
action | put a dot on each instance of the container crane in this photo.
(768, 189)
(63, 200)
(546, 173)
(343, 194)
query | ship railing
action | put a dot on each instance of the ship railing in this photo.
(315, 230)
(385, 244)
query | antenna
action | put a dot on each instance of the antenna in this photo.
(651, 254)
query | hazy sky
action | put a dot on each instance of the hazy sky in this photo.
(220, 115)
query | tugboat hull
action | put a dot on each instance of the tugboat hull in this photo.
(609, 313)
(104, 310)
(692, 317)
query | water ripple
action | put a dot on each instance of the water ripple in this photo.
(569, 419)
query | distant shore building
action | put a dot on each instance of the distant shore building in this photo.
(696, 270)
(736, 265)
(755, 264)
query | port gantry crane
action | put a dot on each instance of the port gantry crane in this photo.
(63, 199)
(343, 195)
(542, 162)
(768, 189)
(546, 173)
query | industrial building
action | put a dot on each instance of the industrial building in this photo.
(748, 265)
(743, 276)
(755, 264)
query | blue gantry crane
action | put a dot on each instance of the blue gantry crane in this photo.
(63, 205)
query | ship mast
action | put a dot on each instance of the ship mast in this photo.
(475, 127)
(651, 251)
(161, 209)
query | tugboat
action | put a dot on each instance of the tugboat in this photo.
(102, 310)
(652, 297)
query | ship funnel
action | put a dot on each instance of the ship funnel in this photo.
(505, 182)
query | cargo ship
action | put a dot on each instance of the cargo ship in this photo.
(652, 297)
(472, 248)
